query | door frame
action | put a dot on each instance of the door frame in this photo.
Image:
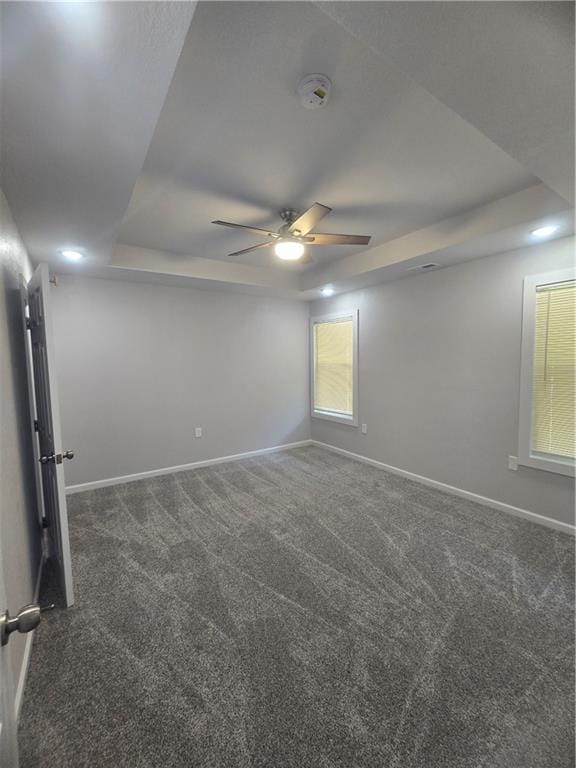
(8, 723)
(51, 472)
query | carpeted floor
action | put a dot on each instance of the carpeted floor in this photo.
(301, 610)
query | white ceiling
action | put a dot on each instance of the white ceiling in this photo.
(506, 67)
(234, 143)
(82, 85)
(496, 227)
(127, 127)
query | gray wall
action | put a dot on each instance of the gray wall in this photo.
(19, 529)
(140, 365)
(439, 362)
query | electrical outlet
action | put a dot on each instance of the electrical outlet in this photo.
(198, 432)
(364, 429)
(513, 463)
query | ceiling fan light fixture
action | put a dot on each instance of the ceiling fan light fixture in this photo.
(289, 249)
(297, 231)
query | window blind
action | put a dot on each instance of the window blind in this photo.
(554, 361)
(334, 366)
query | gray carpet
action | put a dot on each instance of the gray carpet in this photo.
(301, 610)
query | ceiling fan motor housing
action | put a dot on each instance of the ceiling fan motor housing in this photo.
(314, 91)
(288, 216)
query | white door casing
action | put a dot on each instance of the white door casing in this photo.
(48, 431)
(8, 729)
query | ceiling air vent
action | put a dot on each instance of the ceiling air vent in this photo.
(423, 267)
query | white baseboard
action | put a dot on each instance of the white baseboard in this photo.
(484, 500)
(181, 468)
(19, 696)
(533, 517)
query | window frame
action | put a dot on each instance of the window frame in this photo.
(526, 457)
(351, 421)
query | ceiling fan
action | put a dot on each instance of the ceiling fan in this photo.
(296, 232)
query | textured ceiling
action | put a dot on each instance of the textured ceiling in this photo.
(127, 127)
(234, 143)
(82, 85)
(506, 67)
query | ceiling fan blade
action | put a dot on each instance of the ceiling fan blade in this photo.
(308, 220)
(253, 248)
(325, 239)
(242, 226)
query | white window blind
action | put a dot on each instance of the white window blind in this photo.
(553, 370)
(333, 366)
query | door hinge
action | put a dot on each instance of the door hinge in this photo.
(28, 324)
(36, 426)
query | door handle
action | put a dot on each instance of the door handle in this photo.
(25, 620)
(68, 455)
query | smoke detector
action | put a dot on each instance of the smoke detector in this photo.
(314, 91)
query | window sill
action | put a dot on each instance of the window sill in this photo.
(557, 466)
(349, 421)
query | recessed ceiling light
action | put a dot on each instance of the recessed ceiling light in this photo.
(328, 290)
(289, 249)
(543, 232)
(72, 255)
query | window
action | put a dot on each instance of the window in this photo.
(334, 346)
(547, 439)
